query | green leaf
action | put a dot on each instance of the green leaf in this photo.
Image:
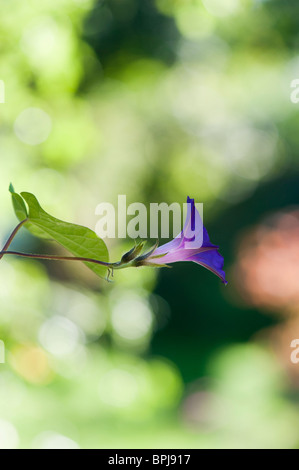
(80, 241)
(18, 204)
(22, 213)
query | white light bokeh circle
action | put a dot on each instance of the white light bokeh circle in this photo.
(60, 336)
(33, 126)
(131, 317)
(9, 438)
(53, 440)
(41, 39)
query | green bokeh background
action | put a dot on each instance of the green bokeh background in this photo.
(156, 100)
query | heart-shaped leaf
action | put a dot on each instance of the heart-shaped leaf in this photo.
(22, 213)
(80, 241)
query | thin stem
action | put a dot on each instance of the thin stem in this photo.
(11, 237)
(59, 258)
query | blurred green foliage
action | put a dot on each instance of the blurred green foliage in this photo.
(156, 100)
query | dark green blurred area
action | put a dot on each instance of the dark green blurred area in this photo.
(156, 100)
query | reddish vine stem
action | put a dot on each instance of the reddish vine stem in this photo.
(11, 237)
(4, 251)
(58, 258)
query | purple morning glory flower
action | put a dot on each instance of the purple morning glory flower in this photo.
(192, 244)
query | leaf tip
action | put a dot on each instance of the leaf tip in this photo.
(11, 188)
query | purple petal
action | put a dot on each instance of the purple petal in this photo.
(171, 246)
(211, 260)
(182, 247)
(195, 216)
(183, 237)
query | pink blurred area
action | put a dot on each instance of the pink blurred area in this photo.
(267, 268)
